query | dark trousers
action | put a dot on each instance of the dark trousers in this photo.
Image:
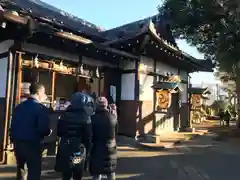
(108, 177)
(227, 122)
(76, 175)
(29, 160)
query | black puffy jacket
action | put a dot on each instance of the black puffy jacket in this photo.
(75, 127)
(104, 149)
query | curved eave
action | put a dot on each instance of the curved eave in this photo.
(198, 67)
(203, 68)
(161, 41)
(148, 29)
(196, 90)
(177, 52)
(201, 64)
(167, 85)
(140, 41)
(169, 56)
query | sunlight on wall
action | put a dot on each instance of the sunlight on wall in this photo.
(146, 90)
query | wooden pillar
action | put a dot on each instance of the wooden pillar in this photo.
(8, 109)
(11, 93)
(19, 77)
(77, 73)
(154, 96)
(189, 125)
(137, 76)
(179, 105)
(53, 89)
(13, 78)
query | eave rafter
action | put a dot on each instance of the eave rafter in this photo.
(43, 25)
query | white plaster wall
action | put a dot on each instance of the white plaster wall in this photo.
(162, 68)
(145, 91)
(63, 55)
(146, 81)
(3, 76)
(128, 86)
(149, 62)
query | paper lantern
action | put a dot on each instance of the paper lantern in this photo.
(164, 98)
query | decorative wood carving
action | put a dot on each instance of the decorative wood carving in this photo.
(196, 100)
(164, 98)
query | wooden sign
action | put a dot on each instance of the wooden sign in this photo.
(196, 100)
(164, 99)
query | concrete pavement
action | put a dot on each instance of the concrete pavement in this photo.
(204, 159)
(199, 159)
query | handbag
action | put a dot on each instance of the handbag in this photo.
(78, 156)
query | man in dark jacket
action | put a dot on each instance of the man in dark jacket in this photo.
(227, 117)
(221, 116)
(30, 123)
(103, 159)
(75, 131)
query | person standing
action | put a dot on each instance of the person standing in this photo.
(221, 116)
(227, 117)
(29, 125)
(103, 158)
(75, 131)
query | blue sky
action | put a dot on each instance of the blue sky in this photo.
(112, 13)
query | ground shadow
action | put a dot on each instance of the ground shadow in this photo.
(157, 166)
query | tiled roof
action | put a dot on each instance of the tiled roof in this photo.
(37, 8)
(206, 64)
(40, 9)
(125, 30)
(198, 90)
(131, 29)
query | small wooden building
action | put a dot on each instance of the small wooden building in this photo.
(41, 43)
(152, 41)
